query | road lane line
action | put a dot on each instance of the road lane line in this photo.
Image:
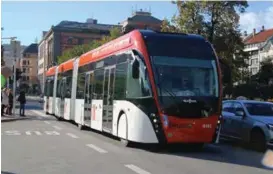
(36, 132)
(52, 133)
(47, 122)
(57, 127)
(96, 148)
(136, 169)
(72, 135)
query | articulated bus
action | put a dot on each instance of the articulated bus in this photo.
(145, 86)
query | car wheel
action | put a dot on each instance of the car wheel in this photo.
(258, 141)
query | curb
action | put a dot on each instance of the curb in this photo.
(13, 119)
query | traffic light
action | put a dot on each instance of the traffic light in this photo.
(18, 74)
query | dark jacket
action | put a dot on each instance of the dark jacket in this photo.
(22, 98)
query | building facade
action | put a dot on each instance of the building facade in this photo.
(64, 36)
(29, 66)
(141, 20)
(259, 46)
(8, 55)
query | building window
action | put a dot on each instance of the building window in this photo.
(254, 70)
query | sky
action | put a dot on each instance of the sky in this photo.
(27, 20)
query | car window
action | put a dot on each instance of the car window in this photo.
(227, 107)
(238, 107)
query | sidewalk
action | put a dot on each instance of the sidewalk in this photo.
(7, 118)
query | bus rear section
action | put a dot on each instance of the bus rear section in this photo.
(186, 85)
(49, 91)
(64, 90)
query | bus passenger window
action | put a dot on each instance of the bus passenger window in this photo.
(120, 81)
(99, 76)
(80, 86)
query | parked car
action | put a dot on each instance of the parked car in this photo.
(248, 121)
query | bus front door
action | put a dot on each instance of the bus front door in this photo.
(109, 76)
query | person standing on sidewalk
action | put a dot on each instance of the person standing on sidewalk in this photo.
(22, 100)
(10, 98)
(5, 101)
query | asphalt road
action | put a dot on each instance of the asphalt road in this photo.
(44, 145)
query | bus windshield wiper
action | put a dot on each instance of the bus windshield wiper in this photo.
(173, 97)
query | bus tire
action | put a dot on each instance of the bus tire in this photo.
(123, 130)
(80, 126)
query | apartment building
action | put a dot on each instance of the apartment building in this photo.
(260, 46)
(29, 66)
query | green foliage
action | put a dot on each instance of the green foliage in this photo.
(266, 72)
(218, 22)
(81, 49)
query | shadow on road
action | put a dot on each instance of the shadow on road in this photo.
(4, 172)
(224, 152)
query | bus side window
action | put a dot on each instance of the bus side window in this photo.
(120, 81)
(80, 86)
(98, 90)
(137, 88)
(68, 87)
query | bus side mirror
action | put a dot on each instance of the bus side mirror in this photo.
(135, 69)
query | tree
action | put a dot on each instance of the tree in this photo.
(81, 49)
(266, 72)
(218, 22)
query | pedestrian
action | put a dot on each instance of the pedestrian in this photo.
(22, 100)
(10, 104)
(5, 101)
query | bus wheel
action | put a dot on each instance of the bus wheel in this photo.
(125, 143)
(47, 113)
(80, 126)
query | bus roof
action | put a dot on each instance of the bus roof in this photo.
(115, 45)
(51, 71)
(66, 66)
(126, 41)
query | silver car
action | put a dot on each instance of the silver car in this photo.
(248, 121)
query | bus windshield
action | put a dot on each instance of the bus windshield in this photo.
(185, 74)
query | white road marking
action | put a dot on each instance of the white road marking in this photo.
(32, 132)
(36, 132)
(136, 169)
(39, 113)
(12, 132)
(57, 127)
(52, 133)
(72, 135)
(96, 148)
(47, 122)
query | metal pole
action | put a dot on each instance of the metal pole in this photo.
(14, 80)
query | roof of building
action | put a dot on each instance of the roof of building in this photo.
(73, 26)
(262, 36)
(81, 25)
(145, 17)
(32, 48)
